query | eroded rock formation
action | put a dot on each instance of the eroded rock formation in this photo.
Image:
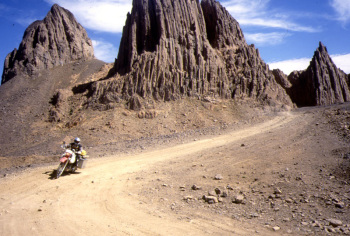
(56, 40)
(170, 49)
(322, 83)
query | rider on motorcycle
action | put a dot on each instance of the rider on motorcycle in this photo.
(77, 148)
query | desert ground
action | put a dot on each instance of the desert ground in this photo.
(284, 174)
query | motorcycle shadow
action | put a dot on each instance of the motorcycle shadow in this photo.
(52, 174)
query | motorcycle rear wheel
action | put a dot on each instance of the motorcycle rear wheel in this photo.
(60, 169)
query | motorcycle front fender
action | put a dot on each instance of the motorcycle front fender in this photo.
(63, 159)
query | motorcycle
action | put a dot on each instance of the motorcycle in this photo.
(67, 161)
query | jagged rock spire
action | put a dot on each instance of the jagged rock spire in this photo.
(55, 40)
(322, 83)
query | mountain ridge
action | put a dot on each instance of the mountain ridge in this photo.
(220, 73)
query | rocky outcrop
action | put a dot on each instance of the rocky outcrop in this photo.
(322, 83)
(282, 79)
(170, 49)
(56, 40)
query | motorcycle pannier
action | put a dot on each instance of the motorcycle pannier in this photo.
(82, 163)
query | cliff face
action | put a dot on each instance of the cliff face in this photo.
(56, 40)
(322, 83)
(170, 49)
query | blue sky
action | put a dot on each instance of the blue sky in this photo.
(286, 32)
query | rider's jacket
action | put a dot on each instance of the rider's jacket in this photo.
(77, 147)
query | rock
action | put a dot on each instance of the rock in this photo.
(335, 222)
(224, 193)
(195, 187)
(218, 177)
(281, 78)
(210, 199)
(147, 114)
(56, 40)
(218, 191)
(135, 103)
(322, 83)
(164, 57)
(188, 198)
(60, 105)
(289, 200)
(340, 205)
(277, 191)
(229, 187)
(276, 228)
(238, 199)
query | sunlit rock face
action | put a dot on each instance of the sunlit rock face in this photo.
(56, 40)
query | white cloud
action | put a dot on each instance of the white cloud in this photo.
(25, 21)
(342, 8)
(266, 38)
(104, 15)
(287, 66)
(342, 62)
(104, 51)
(258, 13)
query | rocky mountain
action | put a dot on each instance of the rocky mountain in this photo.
(171, 49)
(322, 83)
(56, 40)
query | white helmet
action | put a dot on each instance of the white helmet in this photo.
(77, 140)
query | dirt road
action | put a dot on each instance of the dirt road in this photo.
(144, 194)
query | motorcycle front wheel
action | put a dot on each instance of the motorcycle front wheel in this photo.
(60, 169)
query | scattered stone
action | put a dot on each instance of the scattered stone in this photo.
(335, 222)
(218, 191)
(224, 194)
(316, 224)
(218, 177)
(277, 191)
(195, 187)
(229, 187)
(289, 200)
(276, 228)
(329, 230)
(188, 198)
(238, 199)
(340, 205)
(210, 199)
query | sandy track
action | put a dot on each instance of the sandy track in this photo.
(98, 200)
